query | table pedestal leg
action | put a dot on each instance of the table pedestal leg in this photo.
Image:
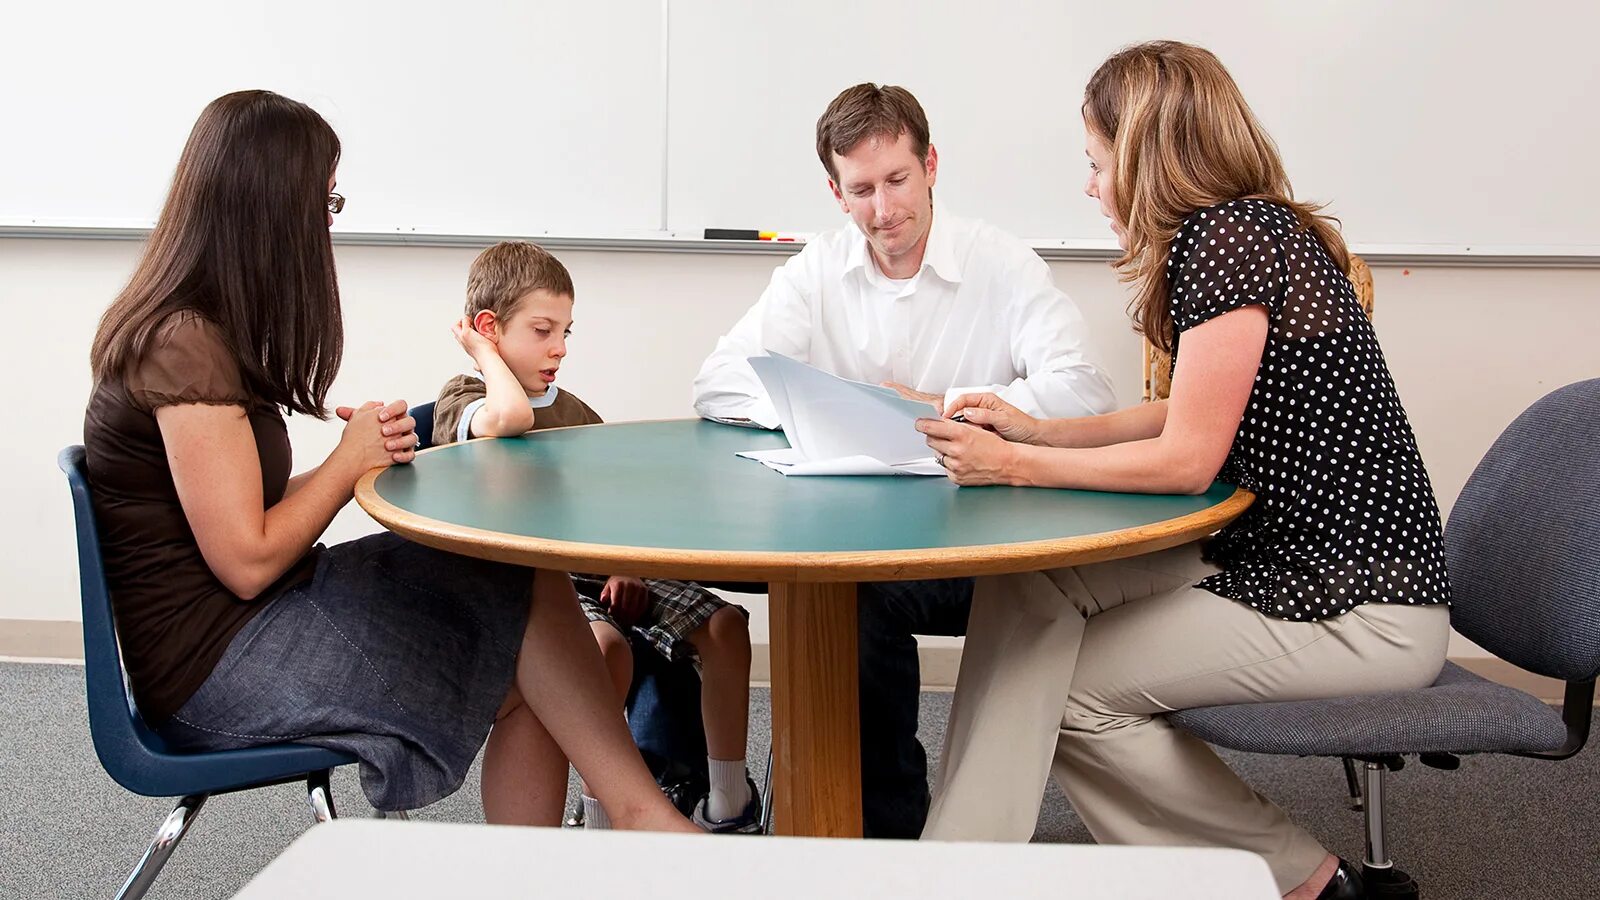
(816, 727)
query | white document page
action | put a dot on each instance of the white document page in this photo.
(840, 427)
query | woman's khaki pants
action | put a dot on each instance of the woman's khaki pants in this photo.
(1070, 670)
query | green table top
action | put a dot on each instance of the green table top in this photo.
(670, 498)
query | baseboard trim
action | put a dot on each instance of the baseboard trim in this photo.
(47, 640)
(44, 640)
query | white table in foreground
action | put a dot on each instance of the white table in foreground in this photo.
(355, 858)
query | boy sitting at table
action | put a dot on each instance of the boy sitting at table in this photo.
(518, 318)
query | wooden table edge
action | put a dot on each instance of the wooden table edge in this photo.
(797, 567)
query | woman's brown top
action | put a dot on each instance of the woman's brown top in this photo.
(174, 617)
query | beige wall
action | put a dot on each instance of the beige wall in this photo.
(1470, 347)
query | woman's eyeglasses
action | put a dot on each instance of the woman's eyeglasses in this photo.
(335, 203)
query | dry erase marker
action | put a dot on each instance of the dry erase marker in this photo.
(749, 234)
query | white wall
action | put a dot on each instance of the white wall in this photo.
(1469, 347)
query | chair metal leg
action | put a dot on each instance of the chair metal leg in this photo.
(320, 796)
(1377, 849)
(1353, 783)
(766, 797)
(166, 840)
(1381, 878)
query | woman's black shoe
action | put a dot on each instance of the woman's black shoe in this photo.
(1344, 885)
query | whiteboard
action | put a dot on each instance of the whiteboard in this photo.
(1430, 127)
(469, 117)
(1424, 124)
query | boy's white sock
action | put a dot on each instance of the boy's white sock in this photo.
(730, 793)
(594, 815)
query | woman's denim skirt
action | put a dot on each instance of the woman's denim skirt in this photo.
(394, 652)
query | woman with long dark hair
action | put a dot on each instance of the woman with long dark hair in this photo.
(235, 629)
(1332, 583)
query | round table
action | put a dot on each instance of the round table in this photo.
(670, 499)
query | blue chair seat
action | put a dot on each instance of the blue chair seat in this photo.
(149, 767)
(1459, 713)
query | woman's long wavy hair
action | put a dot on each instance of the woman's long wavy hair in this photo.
(1182, 138)
(243, 241)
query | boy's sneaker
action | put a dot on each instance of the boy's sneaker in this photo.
(685, 794)
(576, 819)
(747, 822)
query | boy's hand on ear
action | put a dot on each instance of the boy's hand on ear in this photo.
(626, 598)
(471, 341)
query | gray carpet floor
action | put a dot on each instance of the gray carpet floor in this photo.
(1498, 827)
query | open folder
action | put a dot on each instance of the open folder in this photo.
(840, 427)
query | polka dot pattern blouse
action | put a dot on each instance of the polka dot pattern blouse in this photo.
(1344, 511)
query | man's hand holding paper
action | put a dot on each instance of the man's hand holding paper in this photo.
(840, 427)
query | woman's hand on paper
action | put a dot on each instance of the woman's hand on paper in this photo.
(989, 412)
(970, 455)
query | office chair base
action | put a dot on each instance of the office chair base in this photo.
(1389, 882)
(166, 840)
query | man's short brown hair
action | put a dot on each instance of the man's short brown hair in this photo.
(866, 111)
(509, 271)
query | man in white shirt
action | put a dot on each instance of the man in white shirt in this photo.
(933, 305)
(937, 305)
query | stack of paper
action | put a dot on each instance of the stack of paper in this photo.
(840, 427)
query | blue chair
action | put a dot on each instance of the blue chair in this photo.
(423, 413)
(135, 756)
(1523, 550)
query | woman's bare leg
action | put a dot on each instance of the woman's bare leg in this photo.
(524, 771)
(565, 683)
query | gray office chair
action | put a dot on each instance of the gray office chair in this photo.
(1523, 549)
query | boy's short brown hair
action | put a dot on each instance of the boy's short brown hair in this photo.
(869, 110)
(509, 271)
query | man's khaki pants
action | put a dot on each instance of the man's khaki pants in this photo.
(1076, 666)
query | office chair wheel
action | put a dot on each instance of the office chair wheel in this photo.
(1389, 882)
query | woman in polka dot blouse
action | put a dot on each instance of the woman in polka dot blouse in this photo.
(1332, 583)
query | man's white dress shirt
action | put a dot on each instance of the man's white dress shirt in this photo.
(982, 314)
